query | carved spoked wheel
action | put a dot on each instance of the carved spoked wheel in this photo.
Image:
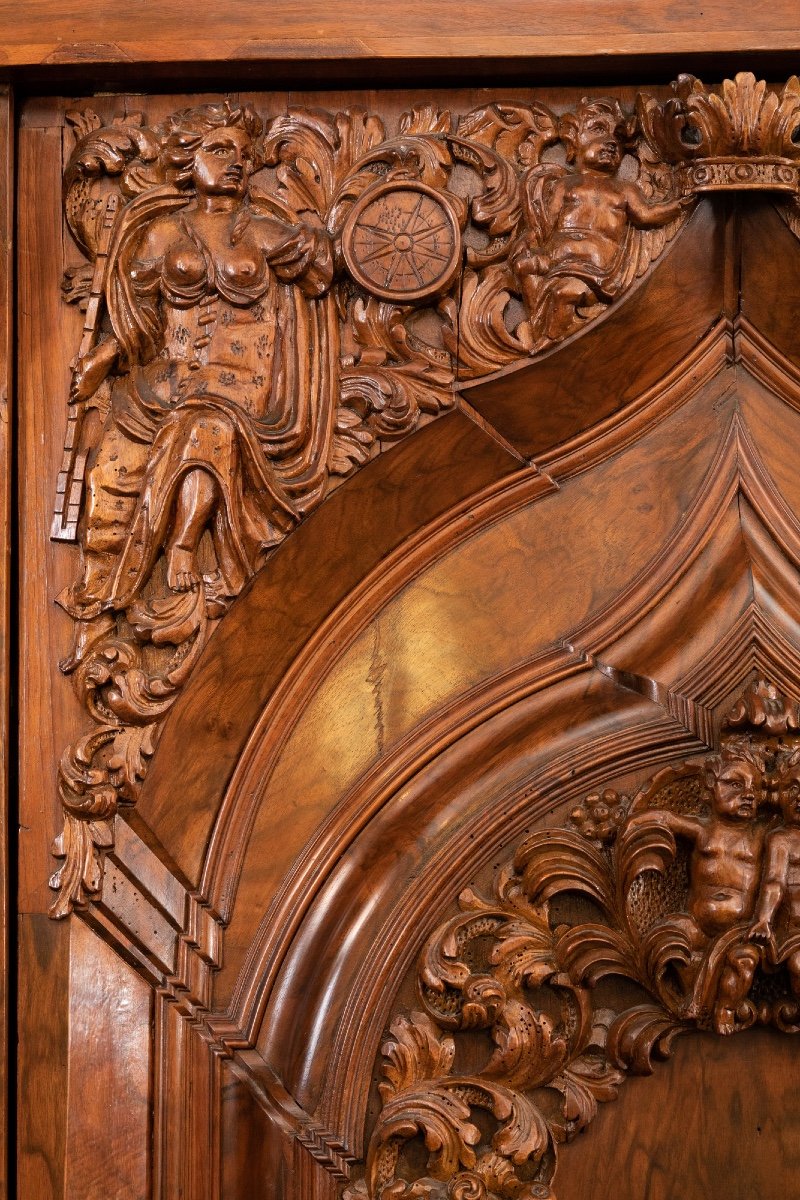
(401, 242)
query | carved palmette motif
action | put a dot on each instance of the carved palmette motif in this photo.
(746, 137)
(271, 304)
(688, 894)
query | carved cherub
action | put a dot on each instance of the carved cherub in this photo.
(578, 251)
(724, 873)
(779, 896)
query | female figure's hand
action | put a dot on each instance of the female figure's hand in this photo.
(295, 253)
(92, 369)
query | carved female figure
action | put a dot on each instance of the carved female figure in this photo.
(221, 406)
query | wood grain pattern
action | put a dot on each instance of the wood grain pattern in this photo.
(43, 358)
(552, 592)
(45, 34)
(6, 537)
(108, 1127)
(42, 1065)
(763, 235)
(708, 1085)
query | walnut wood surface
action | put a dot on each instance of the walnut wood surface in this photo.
(556, 588)
(43, 33)
(109, 1112)
(709, 1084)
(6, 452)
(43, 368)
(42, 1063)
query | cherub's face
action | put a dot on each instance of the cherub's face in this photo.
(598, 144)
(789, 792)
(736, 790)
(223, 162)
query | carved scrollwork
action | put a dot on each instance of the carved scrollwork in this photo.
(269, 305)
(689, 893)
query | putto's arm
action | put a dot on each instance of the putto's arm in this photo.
(685, 827)
(646, 215)
(773, 886)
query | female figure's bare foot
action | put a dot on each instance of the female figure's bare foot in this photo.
(182, 573)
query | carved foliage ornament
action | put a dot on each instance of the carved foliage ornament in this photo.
(268, 306)
(744, 138)
(688, 895)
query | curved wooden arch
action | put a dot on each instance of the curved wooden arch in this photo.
(652, 716)
(382, 507)
(325, 899)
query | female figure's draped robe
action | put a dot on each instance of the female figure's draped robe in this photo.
(228, 371)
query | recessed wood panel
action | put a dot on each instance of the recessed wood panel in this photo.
(641, 1145)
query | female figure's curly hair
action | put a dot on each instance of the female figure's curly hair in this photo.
(182, 134)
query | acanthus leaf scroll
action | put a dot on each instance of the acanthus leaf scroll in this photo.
(268, 306)
(688, 894)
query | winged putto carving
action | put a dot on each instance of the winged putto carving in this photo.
(588, 232)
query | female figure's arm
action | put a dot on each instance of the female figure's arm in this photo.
(299, 254)
(133, 289)
(93, 368)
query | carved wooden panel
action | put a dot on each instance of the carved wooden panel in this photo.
(419, 721)
(691, 896)
(235, 380)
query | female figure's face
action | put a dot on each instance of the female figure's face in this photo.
(223, 162)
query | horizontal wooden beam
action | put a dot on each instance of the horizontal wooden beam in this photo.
(51, 34)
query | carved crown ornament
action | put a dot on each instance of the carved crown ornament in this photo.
(269, 304)
(687, 894)
(745, 137)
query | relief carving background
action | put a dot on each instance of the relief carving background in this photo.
(271, 305)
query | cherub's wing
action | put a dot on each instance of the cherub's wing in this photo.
(643, 246)
(538, 186)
